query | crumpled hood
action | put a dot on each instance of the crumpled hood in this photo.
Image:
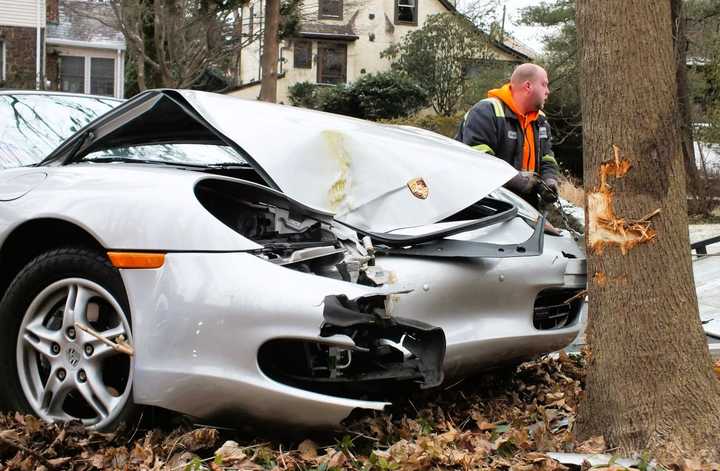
(375, 177)
(371, 176)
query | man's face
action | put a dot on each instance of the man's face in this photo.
(539, 91)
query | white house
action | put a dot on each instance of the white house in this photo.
(63, 45)
(339, 40)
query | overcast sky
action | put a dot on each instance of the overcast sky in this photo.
(531, 36)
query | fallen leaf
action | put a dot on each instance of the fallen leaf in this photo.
(199, 439)
(230, 453)
(308, 450)
(592, 445)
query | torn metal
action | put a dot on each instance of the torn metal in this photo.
(362, 351)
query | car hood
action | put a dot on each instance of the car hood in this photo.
(371, 176)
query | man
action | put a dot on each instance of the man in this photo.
(509, 124)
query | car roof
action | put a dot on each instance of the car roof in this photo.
(56, 93)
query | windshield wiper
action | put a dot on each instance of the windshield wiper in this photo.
(130, 160)
(229, 165)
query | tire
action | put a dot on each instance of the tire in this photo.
(52, 368)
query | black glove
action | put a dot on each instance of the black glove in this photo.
(523, 183)
(548, 190)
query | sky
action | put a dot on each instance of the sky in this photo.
(530, 35)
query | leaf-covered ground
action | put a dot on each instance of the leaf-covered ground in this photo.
(505, 421)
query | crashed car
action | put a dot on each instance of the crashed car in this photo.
(227, 259)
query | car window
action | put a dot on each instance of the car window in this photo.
(174, 154)
(32, 126)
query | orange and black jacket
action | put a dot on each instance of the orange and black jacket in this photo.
(524, 142)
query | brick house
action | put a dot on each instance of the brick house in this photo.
(22, 34)
(78, 52)
(339, 40)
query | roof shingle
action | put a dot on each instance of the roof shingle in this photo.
(77, 22)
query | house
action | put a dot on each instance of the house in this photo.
(64, 45)
(340, 40)
(22, 42)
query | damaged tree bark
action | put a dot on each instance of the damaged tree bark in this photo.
(650, 384)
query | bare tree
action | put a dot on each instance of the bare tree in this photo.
(173, 42)
(650, 384)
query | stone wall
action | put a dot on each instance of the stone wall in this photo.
(20, 43)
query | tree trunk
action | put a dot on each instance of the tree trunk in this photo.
(140, 64)
(269, 59)
(650, 385)
(679, 21)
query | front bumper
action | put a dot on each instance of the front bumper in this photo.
(200, 321)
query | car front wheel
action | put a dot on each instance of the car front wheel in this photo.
(60, 323)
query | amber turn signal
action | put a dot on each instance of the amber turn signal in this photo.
(136, 259)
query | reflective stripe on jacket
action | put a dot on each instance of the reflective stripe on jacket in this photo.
(490, 126)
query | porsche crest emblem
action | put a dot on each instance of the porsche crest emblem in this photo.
(418, 188)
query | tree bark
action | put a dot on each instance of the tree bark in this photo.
(679, 21)
(269, 59)
(650, 385)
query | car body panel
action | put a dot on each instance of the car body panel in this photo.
(362, 172)
(20, 184)
(137, 194)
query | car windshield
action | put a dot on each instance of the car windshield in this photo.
(33, 125)
(170, 154)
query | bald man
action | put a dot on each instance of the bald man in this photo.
(509, 124)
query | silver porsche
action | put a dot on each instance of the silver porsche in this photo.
(232, 259)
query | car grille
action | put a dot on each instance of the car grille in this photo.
(557, 308)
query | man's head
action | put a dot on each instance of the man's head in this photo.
(529, 87)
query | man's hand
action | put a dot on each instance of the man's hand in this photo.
(523, 183)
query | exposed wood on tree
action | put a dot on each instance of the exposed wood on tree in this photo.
(269, 59)
(650, 385)
(604, 227)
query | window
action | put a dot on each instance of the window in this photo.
(302, 54)
(177, 153)
(332, 62)
(102, 76)
(406, 12)
(332, 9)
(32, 126)
(72, 74)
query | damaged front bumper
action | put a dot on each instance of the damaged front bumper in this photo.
(223, 314)
(397, 349)
(362, 352)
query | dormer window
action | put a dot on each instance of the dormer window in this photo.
(330, 9)
(406, 12)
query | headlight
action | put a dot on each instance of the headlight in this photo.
(525, 209)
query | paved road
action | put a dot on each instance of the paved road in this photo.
(707, 283)
(706, 271)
